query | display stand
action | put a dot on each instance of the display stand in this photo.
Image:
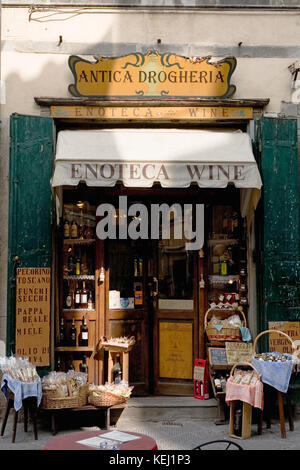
(215, 367)
(279, 393)
(123, 351)
(29, 404)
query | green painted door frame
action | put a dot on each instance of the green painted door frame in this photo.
(277, 222)
(30, 204)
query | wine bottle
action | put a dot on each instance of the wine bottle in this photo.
(73, 334)
(68, 301)
(84, 334)
(71, 365)
(74, 230)
(238, 418)
(71, 262)
(78, 266)
(90, 301)
(83, 296)
(83, 366)
(62, 333)
(58, 365)
(66, 229)
(117, 370)
(77, 297)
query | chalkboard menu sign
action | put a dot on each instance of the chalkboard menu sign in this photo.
(217, 356)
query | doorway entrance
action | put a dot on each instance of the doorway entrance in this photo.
(151, 294)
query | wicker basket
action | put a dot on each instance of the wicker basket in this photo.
(238, 364)
(105, 399)
(272, 331)
(58, 403)
(232, 333)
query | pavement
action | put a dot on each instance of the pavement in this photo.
(170, 434)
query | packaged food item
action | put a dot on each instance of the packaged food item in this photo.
(121, 389)
(64, 384)
(19, 368)
(272, 357)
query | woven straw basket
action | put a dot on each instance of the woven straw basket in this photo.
(50, 400)
(58, 403)
(232, 333)
(239, 364)
(105, 399)
(272, 331)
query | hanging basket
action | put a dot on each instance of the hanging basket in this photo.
(227, 333)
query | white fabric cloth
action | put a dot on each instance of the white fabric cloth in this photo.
(175, 158)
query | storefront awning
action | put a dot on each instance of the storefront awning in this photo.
(141, 157)
(175, 158)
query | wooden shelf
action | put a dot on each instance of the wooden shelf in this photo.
(80, 277)
(79, 310)
(78, 241)
(74, 349)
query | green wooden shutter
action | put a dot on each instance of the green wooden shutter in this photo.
(30, 203)
(277, 222)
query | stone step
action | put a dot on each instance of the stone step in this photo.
(169, 408)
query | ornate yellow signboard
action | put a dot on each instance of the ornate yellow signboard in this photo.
(176, 350)
(152, 75)
(33, 315)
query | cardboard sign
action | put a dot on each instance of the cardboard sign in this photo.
(152, 75)
(217, 356)
(33, 315)
(238, 352)
(279, 343)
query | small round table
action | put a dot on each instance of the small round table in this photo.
(69, 441)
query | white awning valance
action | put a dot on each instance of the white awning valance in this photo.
(141, 157)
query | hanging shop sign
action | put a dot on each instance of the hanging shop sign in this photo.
(151, 113)
(33, 315)
(152, 75)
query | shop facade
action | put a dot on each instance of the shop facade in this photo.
(99, 147)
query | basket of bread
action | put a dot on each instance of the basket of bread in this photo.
(109, 394)
(64, 390)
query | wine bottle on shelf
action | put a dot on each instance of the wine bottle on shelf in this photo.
(62, 333)
(90, 301)
(83, 366)
(58, 365)
(78, 266)
(81, 231)
(117, 370)
(84, 334)
(83, 296)
(68, 300)
(73, 334)
(66, 229)
(77, 296)
(71, 365)
(74, 230)
(71, 262)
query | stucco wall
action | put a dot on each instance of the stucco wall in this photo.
(34, 60)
